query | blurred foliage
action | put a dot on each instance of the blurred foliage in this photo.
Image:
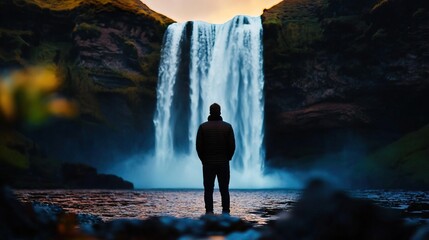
(53, 62)
(29, 95)
(85, 76)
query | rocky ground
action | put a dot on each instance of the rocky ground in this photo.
(321, 213)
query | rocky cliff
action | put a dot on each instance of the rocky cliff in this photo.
(344, 79)
(106, 54)
(345, 82)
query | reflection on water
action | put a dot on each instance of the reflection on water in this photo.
(257, 206)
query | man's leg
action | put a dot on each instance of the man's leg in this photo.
(209, 176)
(223, 180)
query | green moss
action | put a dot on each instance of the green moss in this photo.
(302, 10)
(149, 64)
(134, 6)
(272, 21)
(87, 31)
(130, 49)
(12, 42)
(13, 158)
(49, 52)
(298, 37)
(410, 143)
(405, 159)
(293, 28)
(379, 5)
(419, 14)
(379, 35)
(416, 165)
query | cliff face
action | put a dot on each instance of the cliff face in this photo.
(106, 53)
(343, 78)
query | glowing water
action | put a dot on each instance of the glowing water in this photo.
(167, 75)
(203, 63)
(226, 67)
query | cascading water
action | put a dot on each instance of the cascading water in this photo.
(225, 67)
(201, 64)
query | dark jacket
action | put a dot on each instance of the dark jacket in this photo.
(215, 141)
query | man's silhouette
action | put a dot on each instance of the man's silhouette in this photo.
(215, 148)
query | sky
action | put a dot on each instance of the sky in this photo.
(212, 11)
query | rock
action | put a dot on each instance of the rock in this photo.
(248, 235)
(418, 206)
(18, 221)
(223, 224)
(107, 63)
(322, 116)
(86, 177)
(322, 213)
(47, 213)
(84, 220)
(172, 228)
(326, 213)
(340, 74)
(421, 234)
(153, 228)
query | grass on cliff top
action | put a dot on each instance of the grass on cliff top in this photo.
(292, 10)
(134, 6)
(293, 26)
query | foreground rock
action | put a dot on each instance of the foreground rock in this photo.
(321, 213)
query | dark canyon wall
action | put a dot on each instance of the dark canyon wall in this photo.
(345, 80)
(346, 83)
(106, 54)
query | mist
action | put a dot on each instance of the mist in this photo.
(144, 172)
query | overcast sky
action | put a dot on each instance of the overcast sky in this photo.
(213, 11)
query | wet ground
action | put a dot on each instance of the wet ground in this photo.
(256, 206)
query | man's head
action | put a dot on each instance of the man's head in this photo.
(215, 109)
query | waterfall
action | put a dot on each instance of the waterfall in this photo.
(226, 67)
(167, 74)
(203, 63)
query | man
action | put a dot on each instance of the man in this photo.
(215, 148)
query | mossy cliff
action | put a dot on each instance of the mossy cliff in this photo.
(345, 82)
(106, 54)
(344, 79)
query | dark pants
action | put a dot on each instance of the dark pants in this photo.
(209, 173)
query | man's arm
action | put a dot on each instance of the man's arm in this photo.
(231, 143)
(200, 144)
